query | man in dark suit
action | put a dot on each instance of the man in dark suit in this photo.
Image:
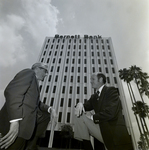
(107, 123)
(24, 118)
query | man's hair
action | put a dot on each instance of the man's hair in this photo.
(101, 75)
(39, 65)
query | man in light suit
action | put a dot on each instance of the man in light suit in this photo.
(24, 118)
(107, 123)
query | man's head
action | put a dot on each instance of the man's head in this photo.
(41, 70)
(97, 80)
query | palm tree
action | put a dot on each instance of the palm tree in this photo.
(141, 110)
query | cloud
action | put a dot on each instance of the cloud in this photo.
(24, 28)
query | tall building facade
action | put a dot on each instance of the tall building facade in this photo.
(71, 60)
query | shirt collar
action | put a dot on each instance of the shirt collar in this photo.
(100, 89)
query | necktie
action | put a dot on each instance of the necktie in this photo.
(98, 95)
(98, 92)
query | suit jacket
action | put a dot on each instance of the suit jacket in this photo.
(108, 114)
(22, 101)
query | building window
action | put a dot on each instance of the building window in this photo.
(109, 47)
(102, 41)
(78, 90)
(100, 69)
(51, 46)
(56, 78)
(93, 61)
(67, 60)
(84, 46)
(84, 61)
(66, 68)
(91, 46)
(61, 53)
(54, 89)
(53, 60)
(73, 60)
(113, 70)
(115, 80)
(49, 53)
(68, 117)
(77, 101)
(63, 40)
(106, 70)
(74, 46)
(78, 79)
(71, 79)
(42, 59)
(111, 61)
(68, 46)
(44, 53)
(103, 47)
(70, 90)
(52, 68)
(93, 69)
(65, 78)
(48, 60)
(58, 69)
(62, 101)
(52, 101)
(85, 79)
(85, 90)
(49, 78)
(60, 117)
(104, 54)
(69, 102)
(62, 47)
(110, 54)
(85, 54)
(68, 53)
(63, 90)
(80, 40)
(105, 61)
(56, 46)
(108, 79)
(69, 40)
(47, 88)
(79, 53)
(92, 53)
(40, 87)
(85, 69)
(59, 61)
(79, 61)
(74, 53)
(55, 53)
(107, 41)
(44, 100)
(72, 69)
(78, 69)
(79, 46)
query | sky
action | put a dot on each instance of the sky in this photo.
(24, 24)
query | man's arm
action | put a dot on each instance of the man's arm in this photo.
(14, 94)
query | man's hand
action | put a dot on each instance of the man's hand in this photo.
(10, 137)
(79, 109)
